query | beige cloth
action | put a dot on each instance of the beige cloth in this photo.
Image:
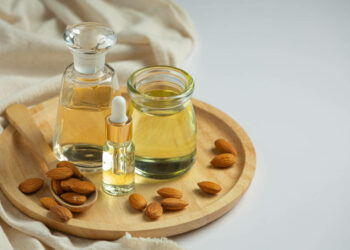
(33, 57)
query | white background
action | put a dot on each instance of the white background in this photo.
(281, 69)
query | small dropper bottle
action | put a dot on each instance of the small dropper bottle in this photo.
(118, 176)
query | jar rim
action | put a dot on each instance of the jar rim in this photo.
(186, 92)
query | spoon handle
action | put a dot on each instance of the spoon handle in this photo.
(20, 118)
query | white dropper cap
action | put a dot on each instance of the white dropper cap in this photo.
(118, 114)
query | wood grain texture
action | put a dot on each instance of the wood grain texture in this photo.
(111, 216)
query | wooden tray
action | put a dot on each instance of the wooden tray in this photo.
(111, 216)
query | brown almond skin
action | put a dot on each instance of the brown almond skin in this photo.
(31, 185)
(168, 192)
(209, 187)
(224, 146)
(61, 212)
(83, 187)
(56, 186)
(66, 184)
(137, 201)
(47, 202)
(60, 173)
(223, 160)
(173, 204)
(73, 198)
(154, 210)
(70, 165)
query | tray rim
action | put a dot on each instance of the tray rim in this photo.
(228, 200)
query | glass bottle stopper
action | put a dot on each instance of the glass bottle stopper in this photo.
(89, 43)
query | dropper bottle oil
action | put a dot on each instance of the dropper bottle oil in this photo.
(118, 174)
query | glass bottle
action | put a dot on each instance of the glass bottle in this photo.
(118, 174)
(164, 121)
(88, 86)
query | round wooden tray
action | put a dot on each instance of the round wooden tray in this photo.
(111, 216)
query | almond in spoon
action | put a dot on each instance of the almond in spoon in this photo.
(73, 198)
(70, 165)
(56, 186)
(83, 187)
(66, 184)
(60, 173)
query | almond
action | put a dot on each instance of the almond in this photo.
(173, 204)
(59, 173)
(209, 187)
(154, 210)
(168, 192)
(66, 184)
(47, 202)
(224, 146)
(61, 212)
(31, 185)
(71, 166)
(137, 201)
(73, 198)
(83, 187)
(56, 186)
(223, 160)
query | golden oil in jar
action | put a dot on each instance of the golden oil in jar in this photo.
(164, 123)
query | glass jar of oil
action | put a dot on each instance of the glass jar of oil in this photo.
(164, 121)
(88, 87)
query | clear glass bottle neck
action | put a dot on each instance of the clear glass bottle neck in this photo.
(89, 63)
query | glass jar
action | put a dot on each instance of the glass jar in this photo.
(164, 121)
(88, 87)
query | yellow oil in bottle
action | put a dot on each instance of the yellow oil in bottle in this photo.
(165, 139)
(88, 86)
(118, 179)
(80, 126)
(118, 176)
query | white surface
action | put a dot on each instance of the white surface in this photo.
(281, 70)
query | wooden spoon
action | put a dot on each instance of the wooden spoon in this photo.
(20, 118)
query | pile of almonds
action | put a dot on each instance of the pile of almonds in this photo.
(171, 201)
(67, 183)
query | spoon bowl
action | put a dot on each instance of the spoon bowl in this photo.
(91, 199)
